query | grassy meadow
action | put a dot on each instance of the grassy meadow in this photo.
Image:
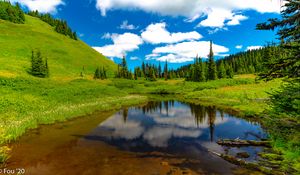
(66, 57)
(27, 102)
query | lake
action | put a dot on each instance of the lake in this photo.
(161, 137)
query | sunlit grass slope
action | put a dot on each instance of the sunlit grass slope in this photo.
(66, 57)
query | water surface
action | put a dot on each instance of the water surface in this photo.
(164, 137)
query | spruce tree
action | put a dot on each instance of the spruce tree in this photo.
(229, 72)
(166, 76)
(96, 74)
(202, 71)
(212, 70)
(159, 70)
(221, 70)
(287, 100)
(39, 67)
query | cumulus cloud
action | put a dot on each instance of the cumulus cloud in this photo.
(134, 58)
(188, 8)
(219, 18)
(127, 26)
(130, 130)
(239, 46)
(236, 19)
(253, 47)
(158, 136)
(122, 44)
(157, 33)
(217, 13)
(185, 51)
(43, 6)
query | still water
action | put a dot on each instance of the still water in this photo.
(162, 137)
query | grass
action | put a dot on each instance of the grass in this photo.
(66, 57)
(250, 99)
(26, 103)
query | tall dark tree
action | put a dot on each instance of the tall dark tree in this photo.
(288, 99)
(221, 70)
(202, 77)
(159, 70)
(289, 33)
(212, 69)
(123, 71)
(166, 73)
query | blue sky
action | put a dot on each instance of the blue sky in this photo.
(173, 30)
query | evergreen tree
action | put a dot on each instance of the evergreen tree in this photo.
(11, 13)
(39, 67)
(202, 72)
(159, 71)
(166, 75)
(287, 100)
(212, 70)
(96, 74)
(60, 26)
(221, 70)
(229, 72)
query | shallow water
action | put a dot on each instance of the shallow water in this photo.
(165, 137)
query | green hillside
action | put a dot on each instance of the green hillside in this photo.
(66, 57)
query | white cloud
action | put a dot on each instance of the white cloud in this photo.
(43, 6)
(122, 44)
(254, 47)
(218, 17)
(106, 36)
(157, 33)
(236, 20)
(130, 130)
(127, 26)
(185, 51)
(188, 8)
(218, 13)
(134, 58)
(192, 19)
(215, 30)
(239, 46)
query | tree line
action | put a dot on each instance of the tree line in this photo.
(257, 61)
(201, 71)
(60, 26)
(12, 13)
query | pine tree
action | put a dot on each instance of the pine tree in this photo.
(166, 76)
(221, 70)
(289, 33)
(96, 74)
(104, 73)
(11, 13)
(229, 72)
(202, 72)
(39, 67)
(212, 70)
(287, 100)
(159, 70)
